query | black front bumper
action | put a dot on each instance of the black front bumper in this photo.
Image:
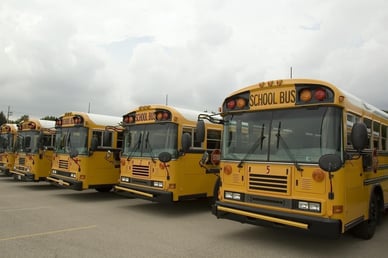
(65, 183)
(4, 171)
(25, 177)
(144, 193)
(263, 217)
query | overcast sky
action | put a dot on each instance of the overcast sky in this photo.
(114, 55)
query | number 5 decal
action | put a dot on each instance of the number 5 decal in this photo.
(268, 169)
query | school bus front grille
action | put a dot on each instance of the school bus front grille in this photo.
(63, 164)
(63, 173)
(20, 168)
(140, 170)
(268, 183)
(22, 161)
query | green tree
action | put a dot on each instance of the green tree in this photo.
(51, 118)
(21, 119)
(3, 119)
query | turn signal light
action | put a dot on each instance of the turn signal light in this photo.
(237, 102)
(311, 94)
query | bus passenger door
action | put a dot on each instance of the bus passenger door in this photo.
(354, 195)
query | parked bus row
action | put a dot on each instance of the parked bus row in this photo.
(150, 153)
(295, 153)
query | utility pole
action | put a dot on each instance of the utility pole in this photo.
(291, 72)
(9, 113)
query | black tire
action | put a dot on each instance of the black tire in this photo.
(367, 228)
(104, 189)
(215, 192)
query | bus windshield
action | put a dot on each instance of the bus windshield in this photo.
(300, 135)
(6, 142)
(149, 140)
(27, 142)
(72, 139)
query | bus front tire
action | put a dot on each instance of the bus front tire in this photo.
(367, 228)
(216, 188)
(104, 189)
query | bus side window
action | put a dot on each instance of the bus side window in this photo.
(191, 132)
(213, 139)
(96, 140)
(47, 141)
(107, 139)
(376, 135)
(120, 139)
(383, 137)
(368, 124)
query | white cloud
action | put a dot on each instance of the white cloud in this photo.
(116, 55)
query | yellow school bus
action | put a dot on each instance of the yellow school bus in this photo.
(161, 159)
(34, 150)
(7, 147)
(302, 154)
(86, 154)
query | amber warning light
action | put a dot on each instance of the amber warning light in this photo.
(237, 102)
(312, 94)
(159, 115)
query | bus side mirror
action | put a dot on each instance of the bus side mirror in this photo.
(186, 142)
(359, 136)
(73, 153)
(164, 157)
(200, 130)
(330, 162)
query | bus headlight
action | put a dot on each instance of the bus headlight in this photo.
(309, 206)
(125, 179)
(157, 184)
(233, 196)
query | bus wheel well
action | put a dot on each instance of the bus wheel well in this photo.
(367, 228)
(216, 188)
(378, 192)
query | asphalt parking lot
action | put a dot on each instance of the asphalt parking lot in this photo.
(41, 220)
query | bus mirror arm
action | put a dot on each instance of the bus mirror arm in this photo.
(202, 162)
(348, 156)
(165, 157)
(354, 155)
(211, 118)
(204, 159)
(201, 128)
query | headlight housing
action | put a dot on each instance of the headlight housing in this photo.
(308, 206)
(158, 184)
(235, 196)
(125, 179)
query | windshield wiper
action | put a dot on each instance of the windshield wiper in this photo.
(136, 147)
(287, 149)
(147, 143)
(258, 142)
(68, 143)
